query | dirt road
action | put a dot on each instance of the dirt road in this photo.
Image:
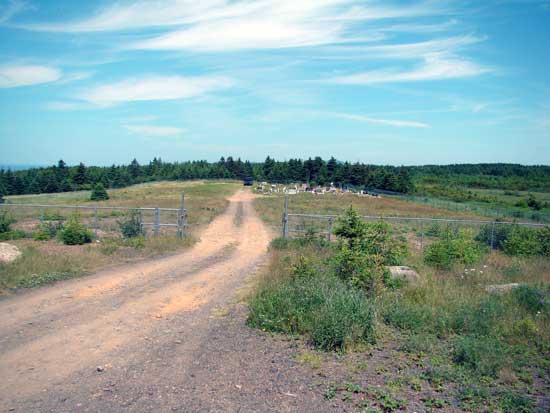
(154, 336)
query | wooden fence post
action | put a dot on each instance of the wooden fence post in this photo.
(329, 229)
(492, 235)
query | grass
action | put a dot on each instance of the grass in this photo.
(459, 345)
(44, 262)
(270, 207)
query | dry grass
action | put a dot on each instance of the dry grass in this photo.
(270, 207)
(45, 262)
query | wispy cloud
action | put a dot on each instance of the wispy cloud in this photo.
(154, 131)
(154, 88)
(10, 8)
(378, 121)
(437, 66)
(224, 25)
(26, 75)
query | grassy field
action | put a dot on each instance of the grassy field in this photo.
(270, 207)
(47, 261)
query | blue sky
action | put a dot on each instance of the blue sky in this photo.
(408, 82)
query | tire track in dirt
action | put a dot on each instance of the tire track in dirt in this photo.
(118, 309)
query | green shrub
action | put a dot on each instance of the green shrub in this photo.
(543, 236)
(47, 231)
(485, 356)
(108, 246)
(447, 252)
(500, 233)
(522, 241)
(99, 193)
(136, 242)
(130, 225)
(74, 233)
(12, 235)
(531, 298)
(359, 269)
(6, 219)
(321, 306)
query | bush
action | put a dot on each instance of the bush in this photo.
(6, 219)
(531, 298)
(130, 225)
(318, 305)
(522, 241)
(99, 193)
(74, 233)
(500, 233)
(447, 252)
(483, 355)
(543, 236)
(47, 231)
(359, 269)
(12, 234)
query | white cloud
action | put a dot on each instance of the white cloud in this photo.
(154, 88)
(387, 122)
(155, 131)
(26, 75)
(436, 66)
(10, 8)
(62, 105)
(221, 25)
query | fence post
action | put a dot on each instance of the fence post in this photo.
(492, 235)
(181, 218)
(329, 229)
(285, 218)
(421, 235)
(95, 223)
(140, 222)
(157, 222)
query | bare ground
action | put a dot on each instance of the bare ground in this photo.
(162, 335)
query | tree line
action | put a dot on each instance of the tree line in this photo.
(314, 171)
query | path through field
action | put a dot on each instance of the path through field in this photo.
(149, 337)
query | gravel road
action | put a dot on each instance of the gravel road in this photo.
(162, 335)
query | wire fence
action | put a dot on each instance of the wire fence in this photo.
(103, 221)
(419, 231)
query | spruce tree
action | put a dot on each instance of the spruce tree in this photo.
(99, 193)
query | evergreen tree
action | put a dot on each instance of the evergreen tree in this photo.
(99, 193)
(80, 177)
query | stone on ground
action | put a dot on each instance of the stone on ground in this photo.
(404, 273)
(8, 252)
(501, 288)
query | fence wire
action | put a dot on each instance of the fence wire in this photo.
(103, 221)
(418, 230)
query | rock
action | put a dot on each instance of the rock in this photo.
(501, 288)
(8, 252)
(404, 273)
(99, 369)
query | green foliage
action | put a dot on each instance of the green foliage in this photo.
(358, 269)
(130, 225)
(6, 219)
(516, 240)
(451, 250)
(533, 299)
(74, 233)
(318, 305)
(486, 356)
(99, 193)
(47, 230)
(364, 251)
(12, 234)
(351, 228)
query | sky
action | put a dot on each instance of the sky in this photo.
(382, 82)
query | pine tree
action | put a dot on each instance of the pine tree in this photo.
(99, 193)
(80, 177)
